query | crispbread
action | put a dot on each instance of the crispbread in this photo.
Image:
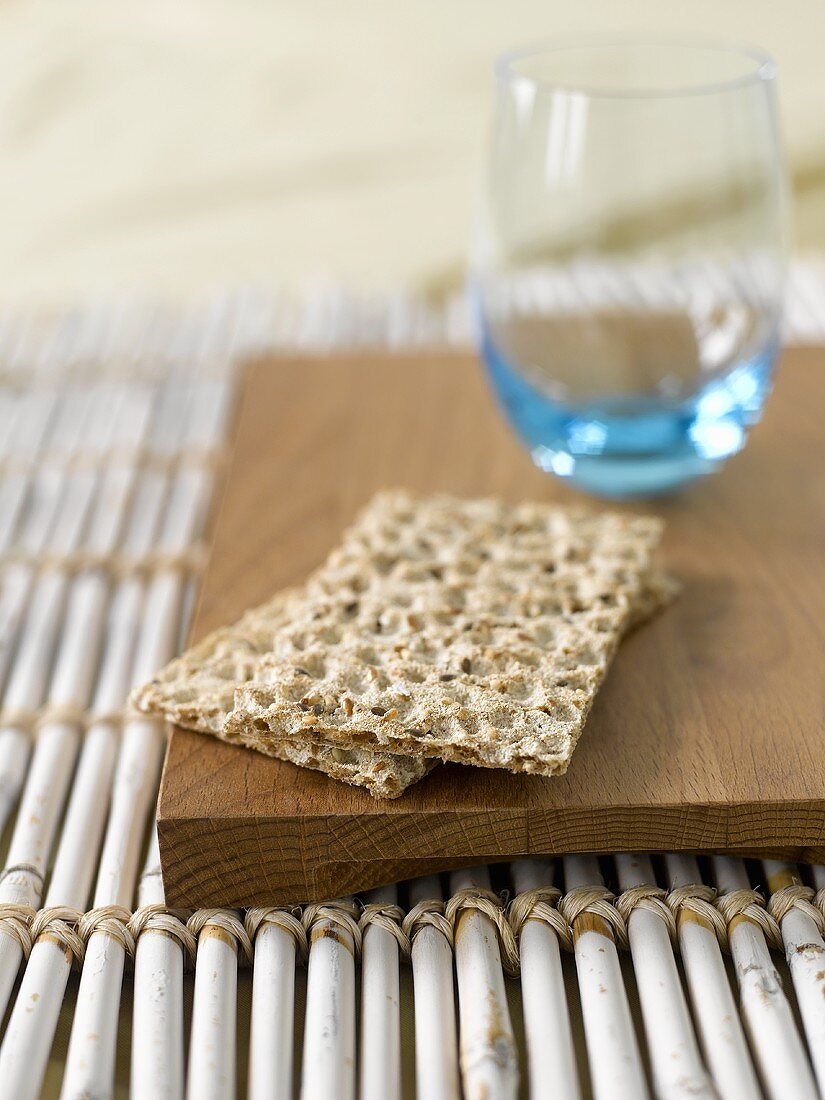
(197, 689)
(439, 629)
(472, 631)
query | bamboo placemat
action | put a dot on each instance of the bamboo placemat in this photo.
(118, 415)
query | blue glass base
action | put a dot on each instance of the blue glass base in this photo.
(634, 446)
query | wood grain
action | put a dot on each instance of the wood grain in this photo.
(708, 734)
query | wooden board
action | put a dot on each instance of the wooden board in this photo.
(709, 733)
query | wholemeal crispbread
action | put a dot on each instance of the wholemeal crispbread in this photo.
(472, 631)
(197, 691)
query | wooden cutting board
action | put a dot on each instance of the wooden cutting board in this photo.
(709, 733)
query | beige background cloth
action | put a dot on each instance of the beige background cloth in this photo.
(175, 147)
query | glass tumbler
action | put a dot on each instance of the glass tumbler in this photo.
(628, 256)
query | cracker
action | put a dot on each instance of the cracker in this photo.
(467, 630)
(197, 691)
(471, 631)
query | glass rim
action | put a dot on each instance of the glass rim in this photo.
(762, 71)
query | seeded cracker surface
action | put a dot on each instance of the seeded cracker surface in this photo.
(463, 630)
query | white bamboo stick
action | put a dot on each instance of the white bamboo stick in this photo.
(805, 955)
(157, 1023)
(380, 1020)
(272, 1020)
(489, 1060)
(714, 1007)
(676, 1064)
(328, 1066)
(612, 1050)
(550, 1051)
(777, 1046)
(212, 1048)
(436, 1045)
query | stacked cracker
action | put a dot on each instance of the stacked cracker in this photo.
(440, 629)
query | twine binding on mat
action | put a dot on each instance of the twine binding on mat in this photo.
(61, 923)
(138, 458)
(284, 919)
(226, 921)
(819, 901)
(26, 869)
(16, 921)
(157, 918)
(797, 896)
(540, 904)
(597, 901)
(117, 565)
(559, 911)
(113, 921)
(493, 907)
(427, 914)
(651, 898)
(341, 915)
(390, 918)
(699, 899)
(32, 721)
(750, 905)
